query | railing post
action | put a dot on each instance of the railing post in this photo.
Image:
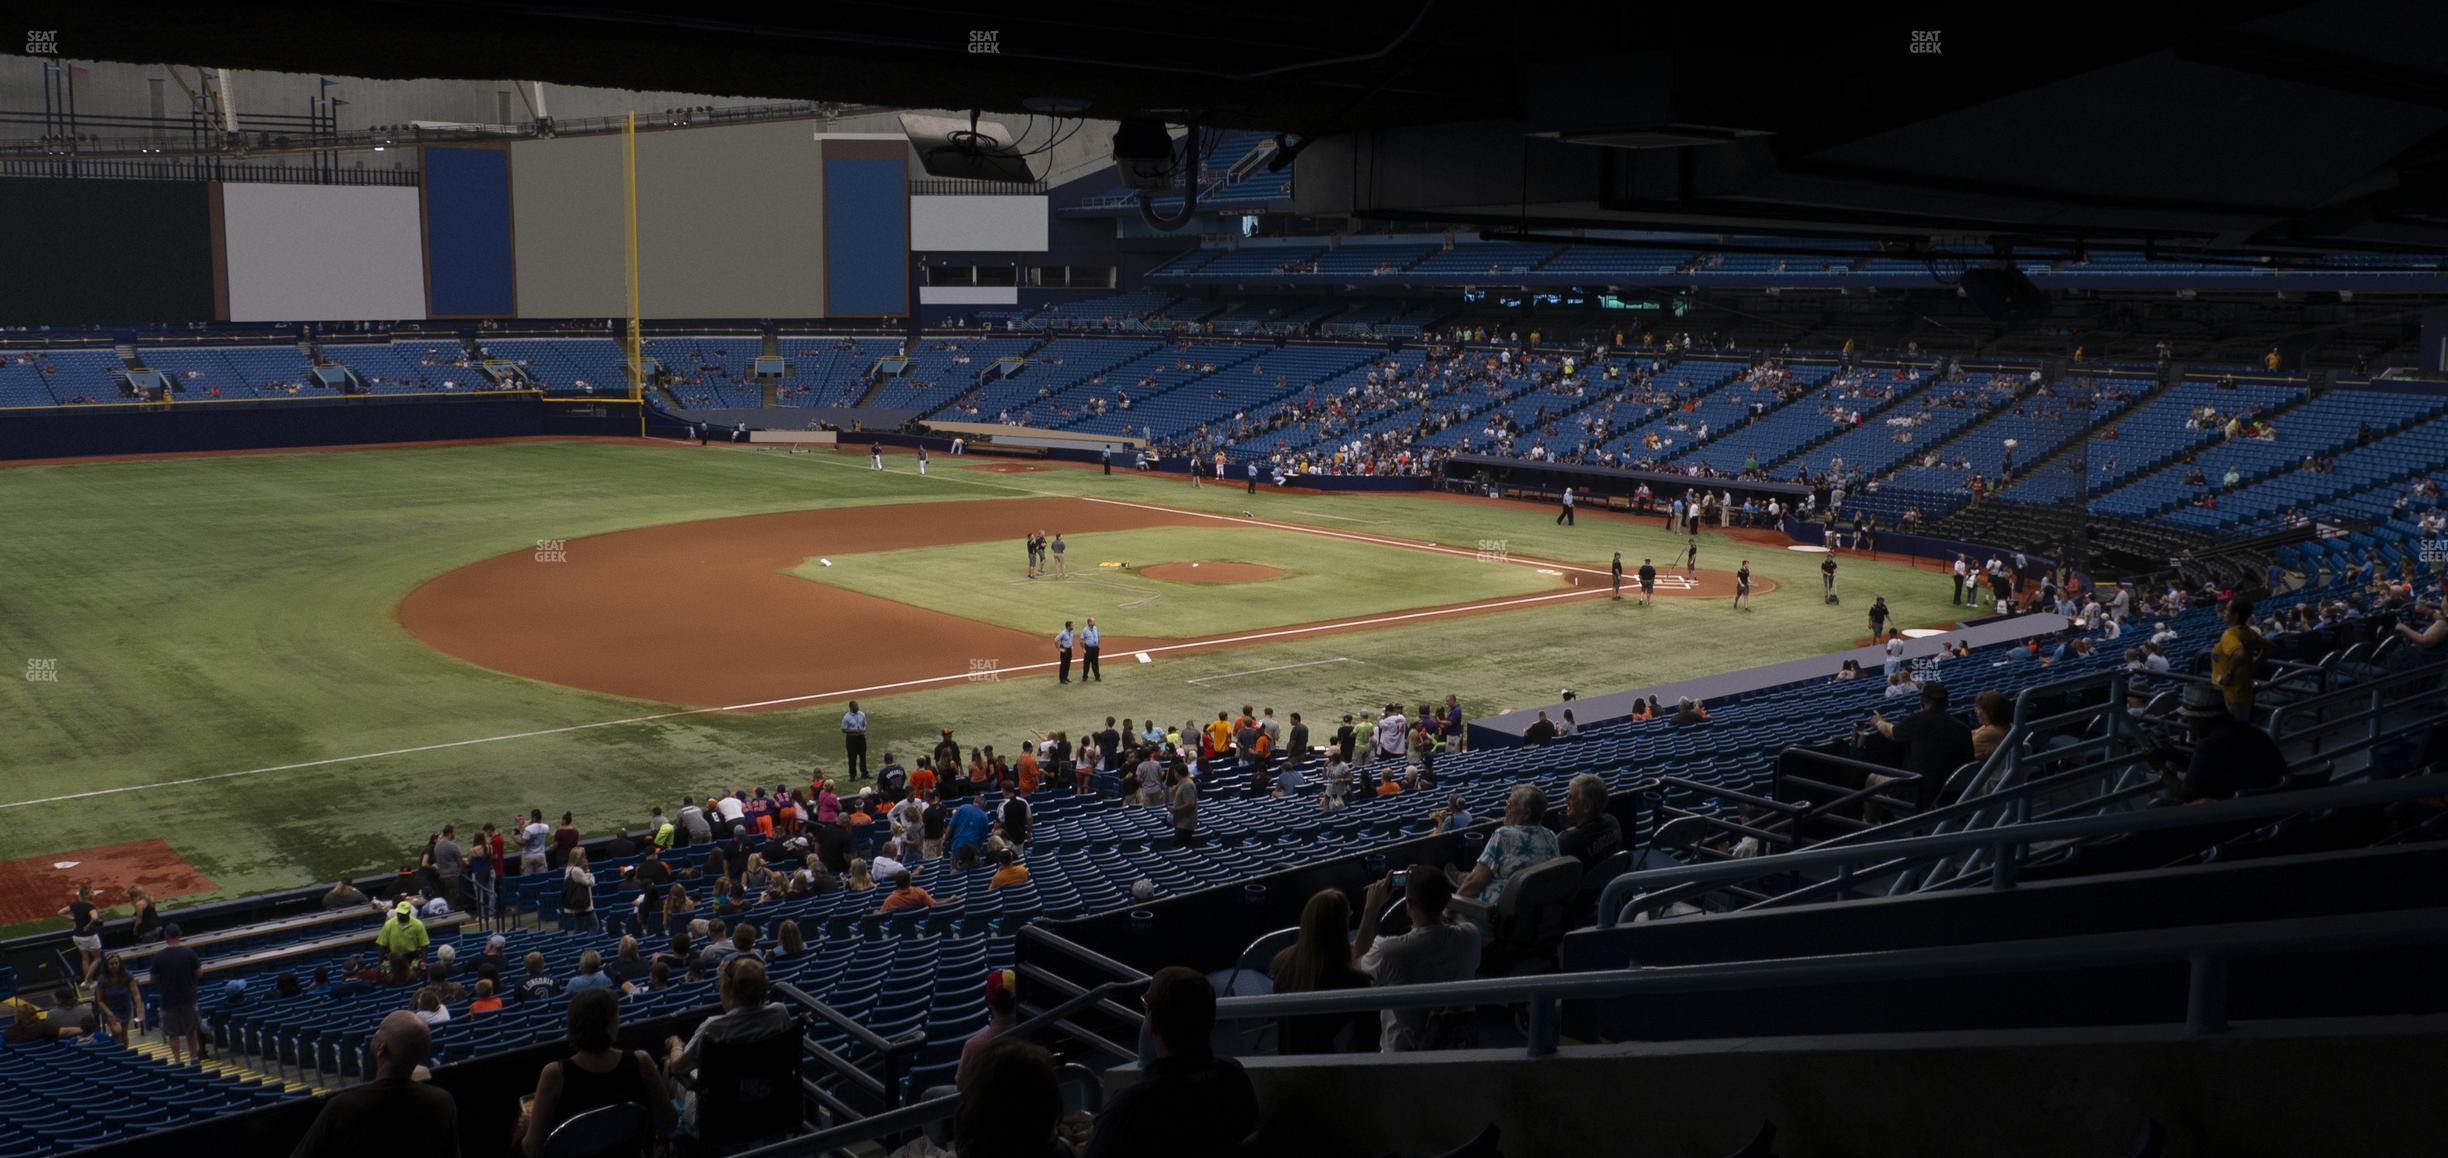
(2205, 993)
(2002, 866)
(1544, 1030)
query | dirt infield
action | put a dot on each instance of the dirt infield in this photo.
(32, 888)
(1205, 572)
(1005, 467)
(704, 614)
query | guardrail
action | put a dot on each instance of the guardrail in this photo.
(2008, 844)
(892, 1056)
(2206, 949)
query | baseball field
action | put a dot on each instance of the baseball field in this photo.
(290, 667)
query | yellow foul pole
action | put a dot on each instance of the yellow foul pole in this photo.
(635, 345)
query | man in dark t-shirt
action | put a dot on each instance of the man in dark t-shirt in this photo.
(1933, 743)
(394, 1114)
(2229, 755)
(176, 971)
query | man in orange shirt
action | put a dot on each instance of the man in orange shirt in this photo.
(1008, 869)
(905, 895)
(921, 781)
(1026, 771)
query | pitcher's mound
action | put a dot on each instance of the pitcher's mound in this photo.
(1211, 572)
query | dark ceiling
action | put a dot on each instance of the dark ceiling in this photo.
(2243, 126)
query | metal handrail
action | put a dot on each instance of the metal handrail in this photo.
(892, 1053)
(2008, 841)
(2205, 948)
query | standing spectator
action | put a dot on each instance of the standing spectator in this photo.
(118, 999)
(175, 975)
(597, 1073)
(85, 932)
(144, 920)
(1523, 840)
(450, 863)
(577, 892)
(1321, 961)
(1181, 803)
(1188, 1102)
(565, 840)
(2237, 657)
(1435, 949)
(393, 1113)
(534, 835)
(401, 940)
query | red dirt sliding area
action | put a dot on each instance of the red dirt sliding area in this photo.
(35, 887)
(704, 614)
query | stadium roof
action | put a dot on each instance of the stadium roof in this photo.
(2245, 126)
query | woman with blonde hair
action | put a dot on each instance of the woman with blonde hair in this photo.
(860, 879)
(756, 878)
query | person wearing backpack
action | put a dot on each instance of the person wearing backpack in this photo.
(577, 892)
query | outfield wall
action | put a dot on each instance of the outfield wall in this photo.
(199, 427)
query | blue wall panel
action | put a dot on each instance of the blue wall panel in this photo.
(866, 207)
(469, 269)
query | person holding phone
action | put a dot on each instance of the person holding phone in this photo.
(1435, 949)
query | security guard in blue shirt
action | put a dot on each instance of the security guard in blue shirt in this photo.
(1062, 642)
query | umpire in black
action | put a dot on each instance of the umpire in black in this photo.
(1088, 653)
(1062, 644)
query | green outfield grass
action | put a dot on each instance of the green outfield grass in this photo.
(1323, 578)
(229, 671)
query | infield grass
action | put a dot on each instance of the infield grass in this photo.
(227, 621)
(1321, 578)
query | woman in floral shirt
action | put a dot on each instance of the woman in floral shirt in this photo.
(1522, 841)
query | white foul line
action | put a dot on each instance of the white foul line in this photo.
(814, 696)
(1278, 667)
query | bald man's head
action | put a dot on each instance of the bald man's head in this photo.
(401, 1043)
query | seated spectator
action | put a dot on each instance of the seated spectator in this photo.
(1011, 1101)
(627, 965)
(2229, 755)
(743, 944)
(343, 896)
(789, 942)
(1189, 1102)
(1002, 1012)
(429, 1008)
(860, 881)
(1321, 961)
(1522, 841)
(1540, 733)
(597, 1073)
(1008, 869)
(745, 1017)
(1435, 949)
(438, 982)
(1932, 744)
(35, 1023)
(591, 974)
(484, 1001)
(1591, 834)
(393, 1113)
(1454, 817)
(1995, 711)
(1690, 711)
(905, 895)
(538, 984)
